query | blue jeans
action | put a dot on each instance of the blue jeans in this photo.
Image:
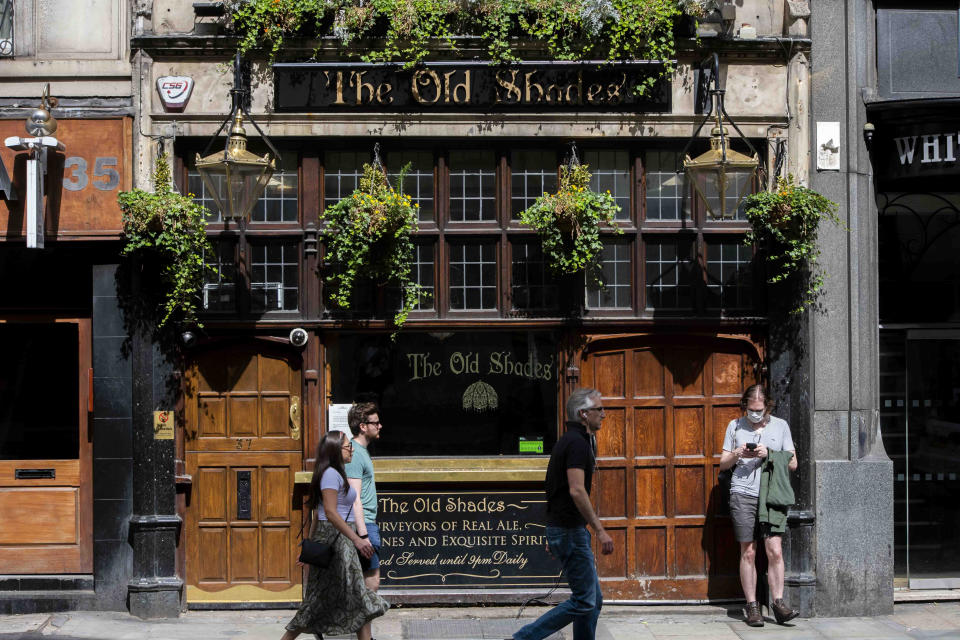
(572, 548)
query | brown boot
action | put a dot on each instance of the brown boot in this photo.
(752, 612)
(782, 612)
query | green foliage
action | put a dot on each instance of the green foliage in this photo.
(568, 221)
(785, 225)
(408, 30)
(368, 235)
(173, 228)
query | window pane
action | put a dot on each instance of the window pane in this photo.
(341, 174)
(729, 274)
(418, 183)
(670, 267)
(613, 289)
(667, 193)
(422, 272)
(201, 195)
(472, 186)
(38, 391)
(738, 184)
(497, 387)
(218, 283)
(279, 200)
(473, 276)
(531, 286)
(531, 174)
(611, 172)
(274, 276)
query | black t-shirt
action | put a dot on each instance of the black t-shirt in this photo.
(572, 451)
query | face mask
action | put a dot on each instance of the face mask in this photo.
(755, 416)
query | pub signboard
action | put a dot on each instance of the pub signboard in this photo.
(464, 539)
(479, 86)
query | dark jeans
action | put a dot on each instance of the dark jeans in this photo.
(572, 548)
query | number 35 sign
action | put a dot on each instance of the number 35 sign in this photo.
(82, 182)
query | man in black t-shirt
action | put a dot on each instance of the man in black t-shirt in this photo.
(569, 476)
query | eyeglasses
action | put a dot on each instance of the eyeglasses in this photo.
(347, 447)
(373, 424)
(600, 409)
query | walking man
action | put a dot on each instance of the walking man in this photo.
(364, 421)
(569, 511)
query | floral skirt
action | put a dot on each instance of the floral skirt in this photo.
(336, 601)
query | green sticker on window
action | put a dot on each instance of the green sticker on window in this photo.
(531, 445)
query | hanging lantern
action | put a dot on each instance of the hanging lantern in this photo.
(235, 177)
(721, 176)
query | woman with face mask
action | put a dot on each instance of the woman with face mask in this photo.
(748, 442)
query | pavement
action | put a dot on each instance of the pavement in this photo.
(909, 620)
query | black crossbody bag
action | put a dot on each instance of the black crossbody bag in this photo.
(318, 554)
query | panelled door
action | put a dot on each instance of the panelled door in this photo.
(243, 447)
(668, 402)
(46, 504)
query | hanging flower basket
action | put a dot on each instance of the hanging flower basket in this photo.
(785, 224)
(568, 222)
(169, 229)
(368, 236)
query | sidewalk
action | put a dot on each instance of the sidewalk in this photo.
(909, 620)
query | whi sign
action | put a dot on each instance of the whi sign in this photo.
(934, 148)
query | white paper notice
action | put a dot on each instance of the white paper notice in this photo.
(828, 146)
(337, 418)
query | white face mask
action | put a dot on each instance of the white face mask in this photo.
(755, 416)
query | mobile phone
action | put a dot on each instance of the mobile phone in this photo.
(751, 445)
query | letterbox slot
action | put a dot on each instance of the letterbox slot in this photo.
(35, 474)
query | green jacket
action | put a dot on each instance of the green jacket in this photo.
(776, 492)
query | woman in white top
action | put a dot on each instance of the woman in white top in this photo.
(746, 444)
(336, 600)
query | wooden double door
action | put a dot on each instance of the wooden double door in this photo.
(668, 402)
(242, 449)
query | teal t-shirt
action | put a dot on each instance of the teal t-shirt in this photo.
(362, 467)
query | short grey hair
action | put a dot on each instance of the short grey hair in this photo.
(580, 399)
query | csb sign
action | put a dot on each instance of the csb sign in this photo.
(81, 183)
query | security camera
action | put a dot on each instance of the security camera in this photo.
(189, 338)
(298, 337)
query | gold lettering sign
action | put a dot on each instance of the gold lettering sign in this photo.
(303, 87)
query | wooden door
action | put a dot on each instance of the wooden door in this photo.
(668, 402)
(242, 448)
(46, 493)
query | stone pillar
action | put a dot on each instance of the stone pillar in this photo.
(154, 589)
(853, 477)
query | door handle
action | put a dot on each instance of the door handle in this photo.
(295, 417)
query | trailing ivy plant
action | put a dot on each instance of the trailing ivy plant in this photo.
(568, 222)
(408, 30)
(785, 223)
(368, 235)
(172, 228)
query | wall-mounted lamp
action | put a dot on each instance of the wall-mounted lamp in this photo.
(868, 131)
(235, 177)
(721, 176)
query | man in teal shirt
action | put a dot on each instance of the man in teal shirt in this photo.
(364, 421)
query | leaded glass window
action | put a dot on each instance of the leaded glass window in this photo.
(667, 192)
(729, 274)
(532, 173)
(219, 282)
(532, 287)
(608, 287)
(473, 275)
(670, 266)
(341, 174)
(611, 172)
(418, 182)
(472, 186)
(274, 276)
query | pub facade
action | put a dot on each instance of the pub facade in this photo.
(471, 389)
